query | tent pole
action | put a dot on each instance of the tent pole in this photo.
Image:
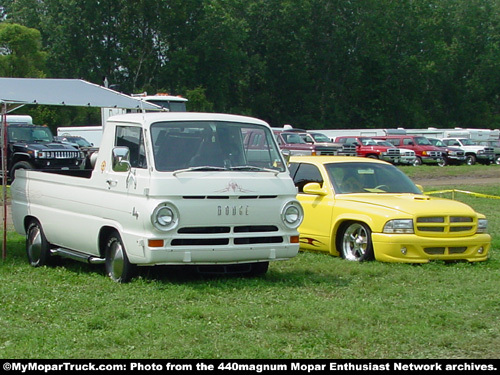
(4, 179)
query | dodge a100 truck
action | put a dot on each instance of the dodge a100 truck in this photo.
(174, 188)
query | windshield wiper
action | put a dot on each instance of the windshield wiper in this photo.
(254, 168)
(200, 168)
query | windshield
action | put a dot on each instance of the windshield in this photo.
(212, 145)
(30, 134)
(422, 141)
(292, 138)
(318, 137)
(369, 178)
(385, 143)
(437, 142)
(467, 142)
(368, 142)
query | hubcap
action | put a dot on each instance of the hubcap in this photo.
(34, 245)
(355, 242)
(117, 261)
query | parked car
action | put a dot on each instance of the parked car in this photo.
(496, 148)
(319, 139)
(473, 151)
(292, 141)
(364, 209)
(407, 156)
(368, 148)
(424, 150)
(454, 155)
(81, 143)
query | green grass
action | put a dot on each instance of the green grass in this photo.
(313, 306)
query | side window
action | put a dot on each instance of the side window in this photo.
(303, 174)
(131, 137)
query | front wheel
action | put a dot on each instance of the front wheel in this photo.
(37, 246)
(118, 267)
(355, 242)
(417, 161)
(471, 159)
(19, 165)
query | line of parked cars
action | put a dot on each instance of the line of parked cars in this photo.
(401, 149)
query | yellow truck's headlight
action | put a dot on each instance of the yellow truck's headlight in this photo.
(165, 217)
(482, 225)
(399, 226)
(292, 214)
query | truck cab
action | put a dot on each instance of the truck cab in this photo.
(367, 147)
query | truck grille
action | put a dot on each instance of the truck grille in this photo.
(445, 250)
(223, 235)
(393, 152)
(435, 154)
(230, 235)
(62, 154)
(489, 150)
(450, 226)
(348, 150)
(322, 150)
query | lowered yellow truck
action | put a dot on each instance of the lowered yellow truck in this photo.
(364, 209)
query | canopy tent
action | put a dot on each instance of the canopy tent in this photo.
(60, 92)
(66, 92)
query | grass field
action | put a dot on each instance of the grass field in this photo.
(313, 306)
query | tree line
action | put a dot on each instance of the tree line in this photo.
(310, 63)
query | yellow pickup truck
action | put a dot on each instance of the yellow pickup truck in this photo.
(365, 209)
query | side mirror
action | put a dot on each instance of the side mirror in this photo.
(286, 154)
(121, 159)
(420, 187)
(314, 188)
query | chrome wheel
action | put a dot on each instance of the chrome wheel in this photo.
(356, 244)
(37, 247)
(118, 266)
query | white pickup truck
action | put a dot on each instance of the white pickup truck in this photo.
(170, 188)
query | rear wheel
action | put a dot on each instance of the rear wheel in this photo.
(355, 242)
(19, 165)
(37, 246)
(118, 267)
(417, 161)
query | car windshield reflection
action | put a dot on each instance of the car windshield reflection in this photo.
(369, 178)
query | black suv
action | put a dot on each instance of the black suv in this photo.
(33, 147)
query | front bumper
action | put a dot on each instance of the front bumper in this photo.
(409, 248)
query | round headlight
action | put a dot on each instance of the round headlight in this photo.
(165, 217)
(292, 214)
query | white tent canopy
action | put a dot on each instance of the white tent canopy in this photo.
(66, 92)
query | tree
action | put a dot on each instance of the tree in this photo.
(21, 54)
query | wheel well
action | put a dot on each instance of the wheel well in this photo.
(103, 238)
(28, 220)
(340, 227)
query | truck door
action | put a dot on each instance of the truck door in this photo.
(129, 171)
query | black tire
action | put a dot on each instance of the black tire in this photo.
(19, 165)
(417, 161)
(443, 162)
(118, 267)
(258, 269)
(470, 159)
(37, 246)
(355, 242)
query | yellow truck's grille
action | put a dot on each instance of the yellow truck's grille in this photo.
(445, 225)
